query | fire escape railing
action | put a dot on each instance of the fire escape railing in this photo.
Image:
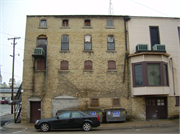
(17, 105)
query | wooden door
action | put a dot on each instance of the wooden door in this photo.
(35, 111)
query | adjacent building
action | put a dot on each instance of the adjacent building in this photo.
(154, 58)
(74, 62)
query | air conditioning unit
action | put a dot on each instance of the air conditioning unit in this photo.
(39, 51)
(159, 47)
(142, 47)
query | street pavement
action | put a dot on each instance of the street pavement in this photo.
(104, 126)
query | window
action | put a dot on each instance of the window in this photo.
(116, 102)
(94, 102)
(160, 102)
(65, 23)
(65, 42)
(138, 75)
(111, 43)
(154, 35)
(40, 65)
(154, 75)
(111, 65)
(87, 23)
(87, 42)
(42, 41)
(64, 115)
(150, 74)
(110, 23)
(88, 65)
(77, 114)
(43, 23)
(64, 65)
(177, 100)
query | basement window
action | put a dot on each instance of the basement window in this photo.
(94, 102)
(115, 102)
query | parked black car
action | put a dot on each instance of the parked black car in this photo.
(69, 119)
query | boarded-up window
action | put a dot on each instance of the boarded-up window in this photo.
(40, 65)
(87, 23)
(65, 23)
(111, 65)
(64, 65)
(94, 102)
(111, 42)
(88, 65)
(65, 42)
(43, 23)
(116, 102)
(177, 100)
(87, 42)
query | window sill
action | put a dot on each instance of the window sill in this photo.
(94, 107)
(87, 27)
(42, 27)
(111, 70)
(111, 51)
(64, 71)
(65, 27)
(88, 51)
(64, 51)
(40, 70)
(115, 106)
(110, 27)
(88, 70)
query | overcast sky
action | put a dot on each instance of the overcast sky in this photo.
(13, 20)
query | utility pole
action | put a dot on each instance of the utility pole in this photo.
(12, 92)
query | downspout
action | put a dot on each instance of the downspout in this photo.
(126, 18)
(173, 75)
(45, 77)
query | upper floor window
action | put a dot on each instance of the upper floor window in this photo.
(43, 23)
(65, 23)
(87, 42)
(64, 42)
(88, 65)
(41, 41)
(110, 23)
(111, 65)
(150, 74)
(64, 65)
(110, 42)
(154, 35)
(41, 65)
(87, 23)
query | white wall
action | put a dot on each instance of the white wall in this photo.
(138, 29)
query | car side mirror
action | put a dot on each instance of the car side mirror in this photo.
(58, 117)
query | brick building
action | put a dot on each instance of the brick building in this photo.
(74, 62)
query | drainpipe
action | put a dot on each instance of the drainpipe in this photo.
(173, 75)
(46, 77)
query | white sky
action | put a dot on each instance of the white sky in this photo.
(13, 20)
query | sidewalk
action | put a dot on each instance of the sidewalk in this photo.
(109, 126)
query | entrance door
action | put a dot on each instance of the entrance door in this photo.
(156, 108)
(35, 111)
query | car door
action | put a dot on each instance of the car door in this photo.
(62, 121)
(76, 120)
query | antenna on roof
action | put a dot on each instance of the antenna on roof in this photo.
(111, 12)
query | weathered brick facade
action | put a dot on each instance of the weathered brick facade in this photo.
(98, 83)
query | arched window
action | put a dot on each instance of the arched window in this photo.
(64, 65)
(88, 65)
(111, 65)
(41, 41)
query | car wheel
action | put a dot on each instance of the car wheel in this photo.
(45, 127)
(86, 126)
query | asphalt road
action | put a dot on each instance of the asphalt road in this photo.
(5, 109)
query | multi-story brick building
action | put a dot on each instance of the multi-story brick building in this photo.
(74, 62)
(154, 57)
